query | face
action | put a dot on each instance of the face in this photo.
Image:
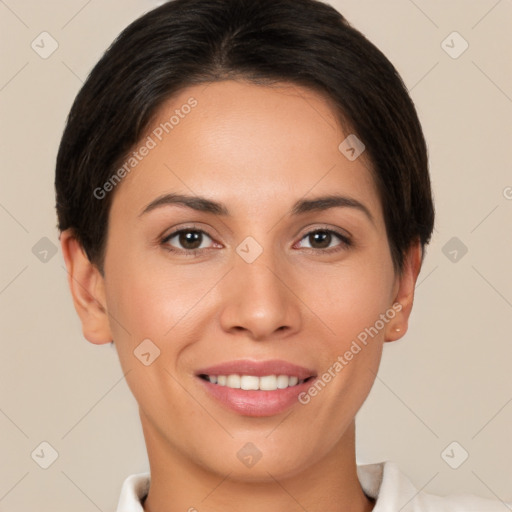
(264, 274)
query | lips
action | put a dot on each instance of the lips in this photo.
(256, 402)
(258, 369)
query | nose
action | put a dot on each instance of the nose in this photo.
(260, 298)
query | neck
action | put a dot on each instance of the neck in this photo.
(179, 484)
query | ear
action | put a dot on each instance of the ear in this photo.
(87, 288)
(404, 292)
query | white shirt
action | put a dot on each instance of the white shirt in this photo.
(393, 492)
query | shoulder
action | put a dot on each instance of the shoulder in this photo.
(394, 491)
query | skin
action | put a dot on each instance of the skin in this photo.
(257, 149)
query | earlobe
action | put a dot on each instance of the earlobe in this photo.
(87, 288)
(405, 293)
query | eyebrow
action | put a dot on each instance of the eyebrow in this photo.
(203, 204)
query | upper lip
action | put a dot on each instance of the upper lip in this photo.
(258, 368)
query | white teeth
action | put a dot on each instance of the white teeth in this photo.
(233, 381)
(251, 382)
(271, 382)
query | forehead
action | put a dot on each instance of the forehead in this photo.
(245, 145)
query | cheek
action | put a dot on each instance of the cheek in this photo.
(147, 294)
(151, 298)
(146, 302)
(351, 303)
(350, 298)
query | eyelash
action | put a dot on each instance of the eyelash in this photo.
(345, 241)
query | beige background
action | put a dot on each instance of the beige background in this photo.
(449, 379)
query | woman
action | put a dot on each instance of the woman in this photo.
(244, 201)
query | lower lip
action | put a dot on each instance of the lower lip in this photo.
(256, 402)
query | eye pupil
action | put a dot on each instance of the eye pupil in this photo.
(189, 239)
(323, 237)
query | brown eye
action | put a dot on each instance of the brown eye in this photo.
(320, 239)
(190, 239)
(325, 240)
(187, 239)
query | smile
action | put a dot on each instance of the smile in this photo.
(255, 387)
